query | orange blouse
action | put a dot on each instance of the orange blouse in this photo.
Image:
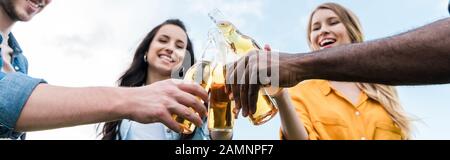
(328, 115)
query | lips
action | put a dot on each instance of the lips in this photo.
(36, 4)
(327, 42)
(166, 57)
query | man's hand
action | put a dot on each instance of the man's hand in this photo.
(246, 76)
(159, 101)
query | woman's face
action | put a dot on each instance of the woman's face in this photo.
(167, 49)
(327, 30)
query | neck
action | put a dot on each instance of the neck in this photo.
(153, 77)
(6, 22)
(343, 84)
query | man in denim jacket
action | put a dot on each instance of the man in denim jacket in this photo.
(28, 104)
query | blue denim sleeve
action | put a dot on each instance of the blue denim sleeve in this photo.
(15, 89)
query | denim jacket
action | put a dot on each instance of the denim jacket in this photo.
(131, 130)
(15, 89)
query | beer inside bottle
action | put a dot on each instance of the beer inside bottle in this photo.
(266, 107)
(199, 73)
(221, 116)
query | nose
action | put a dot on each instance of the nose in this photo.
(170, 48)
(324, 31)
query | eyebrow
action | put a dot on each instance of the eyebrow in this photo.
(332, 18)
(329, 18)
(165, 36)
(178, 41)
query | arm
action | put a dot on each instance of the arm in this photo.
(54, 107)
(417, 57)
(421, 56)
(291, 125)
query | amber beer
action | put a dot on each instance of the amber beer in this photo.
(199, 73)
(266, 107)
(220, 116)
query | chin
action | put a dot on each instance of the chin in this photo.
(25, 18)
(166, 70)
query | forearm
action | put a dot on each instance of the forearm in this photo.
(52, 107)
(421, 56)
(292, 127)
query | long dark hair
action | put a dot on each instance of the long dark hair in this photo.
(136, 75)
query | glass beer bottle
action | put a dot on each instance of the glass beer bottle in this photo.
(199, 73)
(221, 117)
(266, 107)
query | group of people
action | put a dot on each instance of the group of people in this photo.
(340, 90)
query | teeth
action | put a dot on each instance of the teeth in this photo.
(167, 58)
(36, 5)
(325, 41)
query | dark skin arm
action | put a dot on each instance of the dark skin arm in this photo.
(417, 57)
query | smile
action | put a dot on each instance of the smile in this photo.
(167, 58)
(36, 4)
(327, 42)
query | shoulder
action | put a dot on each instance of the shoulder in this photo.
(308, 86)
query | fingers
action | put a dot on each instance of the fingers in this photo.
(234, 86)
(236, 112)
(241, 87)
(229, 77)
(243, 96)
(253, 90)
(186, 113)
(168, 121)
(194, 89)
(192, 101)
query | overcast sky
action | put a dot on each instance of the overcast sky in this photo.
(80, 43)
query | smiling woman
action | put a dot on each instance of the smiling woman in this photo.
(331, 110)
(165, 49)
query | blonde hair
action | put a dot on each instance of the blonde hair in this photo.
(386, 95)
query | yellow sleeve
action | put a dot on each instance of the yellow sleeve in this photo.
(303, 113)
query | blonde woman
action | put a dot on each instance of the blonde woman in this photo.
(330, 110)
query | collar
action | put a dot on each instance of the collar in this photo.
(326, 89)
(12, 42)
(324, 86)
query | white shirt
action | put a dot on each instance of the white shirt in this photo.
(6, 53)
(131, 130)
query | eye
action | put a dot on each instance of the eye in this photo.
(315, 28)
(334, 22)
(180, 45)
(163, 40)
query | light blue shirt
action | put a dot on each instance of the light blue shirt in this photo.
(15, 89)
(131, 130)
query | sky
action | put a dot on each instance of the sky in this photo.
(81, 43)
